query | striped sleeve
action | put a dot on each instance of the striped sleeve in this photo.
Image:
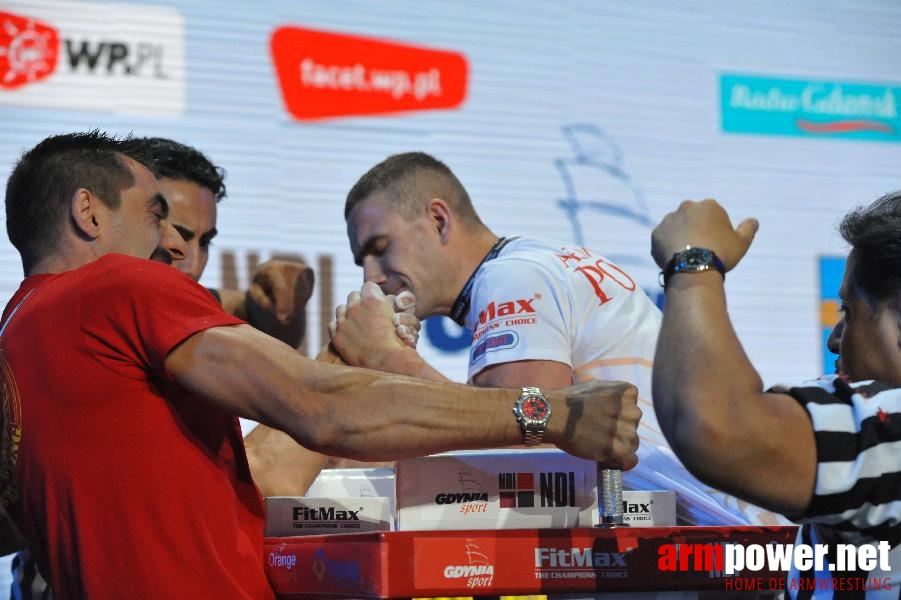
(857, 429)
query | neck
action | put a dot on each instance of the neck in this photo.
(61, 260)
(487, 249)
(477, 247)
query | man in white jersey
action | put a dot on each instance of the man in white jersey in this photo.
(539, 310)
(825, 453)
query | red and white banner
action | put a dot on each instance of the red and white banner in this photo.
(324, 74)
(122, 58)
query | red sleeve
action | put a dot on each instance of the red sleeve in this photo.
(134, 312)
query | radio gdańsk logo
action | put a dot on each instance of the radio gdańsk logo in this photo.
(800, 107)
(73, 59)
(28, 50)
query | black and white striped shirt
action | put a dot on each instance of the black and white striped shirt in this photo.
(857, 498)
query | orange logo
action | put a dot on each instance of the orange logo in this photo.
(325, 75)
(28, 50)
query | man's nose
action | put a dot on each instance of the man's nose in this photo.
(372, 271)
(173, 242)
(835, 337)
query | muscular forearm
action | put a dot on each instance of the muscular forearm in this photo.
(406, 362)
(340, 411)
(711, 406)
(367, 415)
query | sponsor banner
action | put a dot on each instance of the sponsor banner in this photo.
(518, 562)
(120, 58)
(797, 107)
(324, 74)
(832, 268)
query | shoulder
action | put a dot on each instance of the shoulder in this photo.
(526, 254)
(831, 389)
(117, 276)
(118, 268)
(835, 405)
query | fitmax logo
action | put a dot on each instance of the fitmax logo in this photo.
(635, 508)
(506, 309)
(577, 558)
(324, 513)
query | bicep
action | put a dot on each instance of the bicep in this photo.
(545, 374)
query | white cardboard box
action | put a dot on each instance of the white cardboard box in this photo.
(353, 483)
(296, 515)
(509, 489)
(496, 489)
(648, 508)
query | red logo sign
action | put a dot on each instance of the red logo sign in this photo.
(28, 50)
(324, 74)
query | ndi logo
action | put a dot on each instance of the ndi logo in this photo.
(517, 490)
(796, 107)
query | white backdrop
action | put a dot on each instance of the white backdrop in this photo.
(585, 121)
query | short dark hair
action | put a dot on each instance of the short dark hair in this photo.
(168, 158)
(46, 177)
(410, 179)
(874, 233)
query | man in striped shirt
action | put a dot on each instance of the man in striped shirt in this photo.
(827, 453)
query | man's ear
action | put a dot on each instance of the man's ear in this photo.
(83, 211)
(440, 217)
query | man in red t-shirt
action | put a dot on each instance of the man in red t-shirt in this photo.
(120, 455)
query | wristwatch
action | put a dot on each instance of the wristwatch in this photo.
(532, 412)
(692, 260)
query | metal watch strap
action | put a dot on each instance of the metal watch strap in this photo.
(530, 436)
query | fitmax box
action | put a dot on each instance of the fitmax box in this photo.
(648, 508)
(353, 483)
(496, 489)
(303, 515)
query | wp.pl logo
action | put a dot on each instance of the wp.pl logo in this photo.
(29, 50)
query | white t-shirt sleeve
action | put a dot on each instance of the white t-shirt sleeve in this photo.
(520, 313)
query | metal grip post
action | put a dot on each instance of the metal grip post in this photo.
(610, 498)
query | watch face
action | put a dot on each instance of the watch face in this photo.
(695, 257)
(535, 408)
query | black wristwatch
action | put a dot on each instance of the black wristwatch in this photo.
(692, 260)
(532, 411)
